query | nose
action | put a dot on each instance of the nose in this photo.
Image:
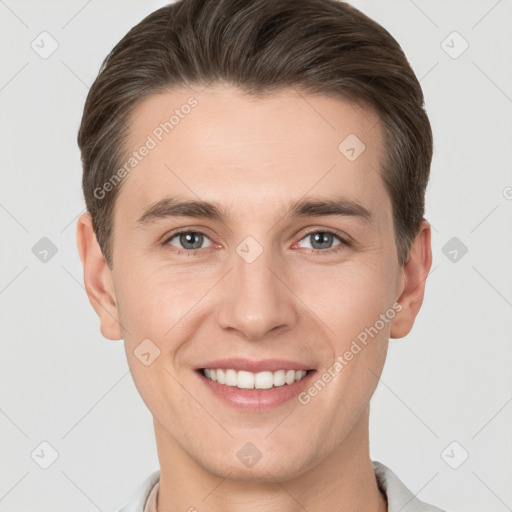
(256, 298)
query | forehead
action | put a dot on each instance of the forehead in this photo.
(221, 144)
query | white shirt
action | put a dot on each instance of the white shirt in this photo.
(400, 498)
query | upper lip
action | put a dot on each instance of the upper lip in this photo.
(254, 366)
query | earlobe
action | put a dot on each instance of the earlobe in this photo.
(98, 279)
(415, 272)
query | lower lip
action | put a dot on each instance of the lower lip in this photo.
(257, 399)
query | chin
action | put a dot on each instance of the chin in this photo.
(280, 468)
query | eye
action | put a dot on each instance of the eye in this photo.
(322, 240)
(189, 241)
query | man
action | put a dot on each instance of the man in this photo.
(254, 174)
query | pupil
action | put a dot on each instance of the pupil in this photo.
(187, 237)
(323, 238)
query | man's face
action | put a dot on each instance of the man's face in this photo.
(258, 284)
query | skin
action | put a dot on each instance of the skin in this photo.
(255, 156)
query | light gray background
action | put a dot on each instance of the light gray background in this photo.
(63, 383)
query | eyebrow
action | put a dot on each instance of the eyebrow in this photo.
(311, 206)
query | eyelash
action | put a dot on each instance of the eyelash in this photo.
(197, 252)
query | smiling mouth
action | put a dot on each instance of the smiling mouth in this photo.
(254, 381)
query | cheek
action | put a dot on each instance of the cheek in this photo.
(151, 307)
(358, 315)
(152, 299)
(349, 299)
(361, 319)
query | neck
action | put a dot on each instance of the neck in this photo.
(343, 482)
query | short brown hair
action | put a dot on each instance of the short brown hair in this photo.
(260, 46)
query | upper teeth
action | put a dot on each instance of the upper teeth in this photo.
(249, 380)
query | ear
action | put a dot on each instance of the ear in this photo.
(414, 274)
(98, 280)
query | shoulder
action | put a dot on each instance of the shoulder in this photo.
(140, 496)
(399, 497)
